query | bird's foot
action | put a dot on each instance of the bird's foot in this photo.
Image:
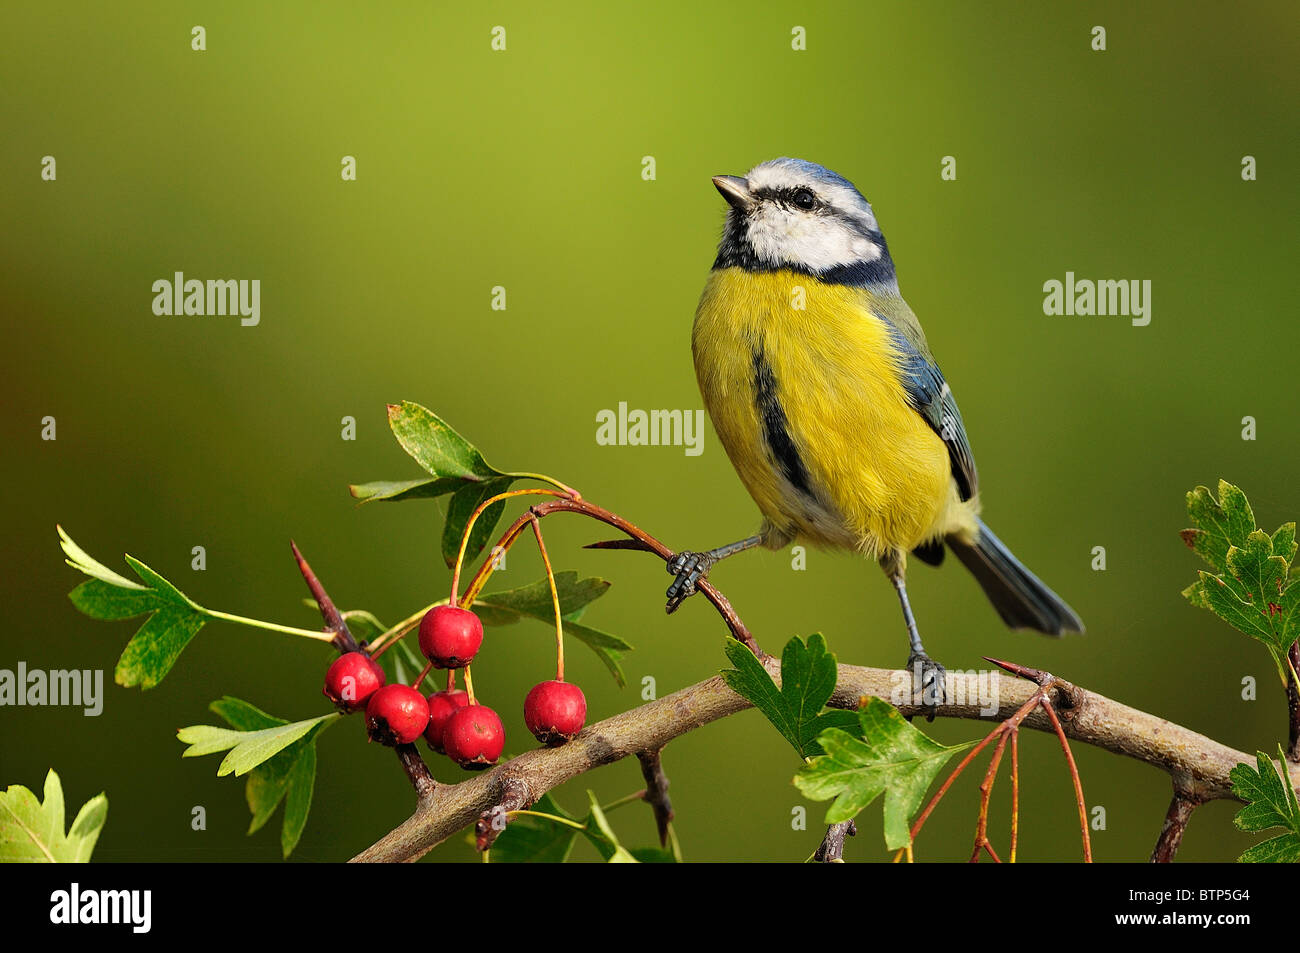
(689, 568)
(928, 682)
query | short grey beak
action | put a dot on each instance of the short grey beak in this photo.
(735, 190)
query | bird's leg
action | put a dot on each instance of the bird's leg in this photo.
(690, 568)
(927, 674)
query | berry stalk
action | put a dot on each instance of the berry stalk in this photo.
(555, 601)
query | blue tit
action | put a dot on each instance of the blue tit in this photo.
(824, 394)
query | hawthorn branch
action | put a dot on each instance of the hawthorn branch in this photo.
(831, 850)
(1171, 832)
(1198, 765)
(656, 791)
(417, 771)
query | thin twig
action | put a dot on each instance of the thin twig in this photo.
(831, 849)
(1015, 795)
(1074, 776)
(647, 543)
(418, 773)
(1171, 831)
(986, 795)
(656, 791)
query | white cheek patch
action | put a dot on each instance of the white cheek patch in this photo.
(784, 237)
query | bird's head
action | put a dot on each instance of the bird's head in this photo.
(791, 213)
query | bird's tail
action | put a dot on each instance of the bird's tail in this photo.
(1021, 598)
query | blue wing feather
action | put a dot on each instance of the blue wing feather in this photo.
(930, 394)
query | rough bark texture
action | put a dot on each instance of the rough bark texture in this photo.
(1198, 765)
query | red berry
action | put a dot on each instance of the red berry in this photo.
(555, 711)
(442, 705)
(352, 679)
(396, 715)
(474, 737)
(450, 637)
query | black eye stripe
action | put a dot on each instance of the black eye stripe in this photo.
(791, 197)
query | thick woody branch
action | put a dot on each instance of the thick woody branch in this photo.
(1198, 765)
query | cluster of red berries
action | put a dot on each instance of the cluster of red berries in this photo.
(469, 733)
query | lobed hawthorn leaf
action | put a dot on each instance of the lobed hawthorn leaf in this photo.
(533, 601)
(1270, 802)
(1253, 586)
(174, 618)
(1220, 524)
(289, 776)
(247, 748)
(32, 831)
(889, 756)
(808, 673)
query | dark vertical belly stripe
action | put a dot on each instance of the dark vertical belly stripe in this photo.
(775, 426)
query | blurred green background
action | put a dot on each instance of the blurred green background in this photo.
(523, 169)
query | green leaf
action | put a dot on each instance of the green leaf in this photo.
(453, 461)
(652, 855)
(165, 590)
(173, 621)
(607, 842)
(400, 675)
(434, 445)
(462, 506)
(288, 776)
(1252, 588)
(533, 601)
(530, 839)
(77, 558)
(297, 803)
(247, 749)
(156, 646)
(362, 624)
(102, 600)
(395, 491)
(891, 757)
(1270, 802)
(1284, 542)
(808, 673)
(32, 832)
(1220, 524)
(242, 715)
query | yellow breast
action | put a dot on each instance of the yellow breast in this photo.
(879, 476)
